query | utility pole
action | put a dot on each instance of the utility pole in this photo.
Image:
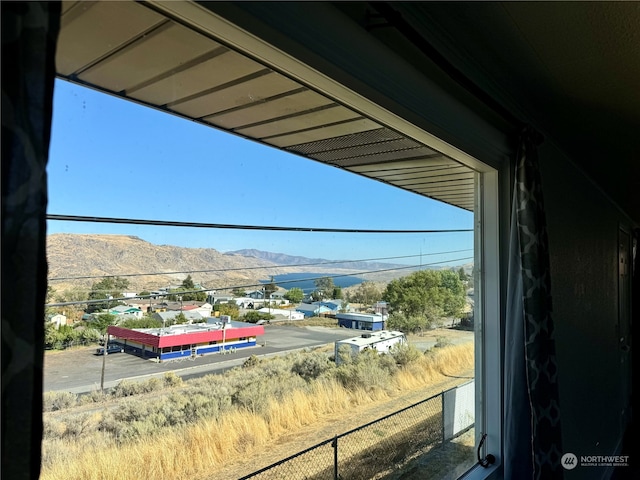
(104, 358)
(104, 350)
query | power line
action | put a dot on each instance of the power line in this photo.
(103, 300)
(85, 277)
(171, 223)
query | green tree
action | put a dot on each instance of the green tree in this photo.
(89, 335)
(317, 296)
(180, 319)
(73, 294)
(408, 324)
(178, 293)
(294, 295)
(336, 294)
(367, 293)
(269, 289)
(50, 299)
(239, 292)
(230, 309)
(453, 293)
(462, 275)
(68, 335)
(52, 339)
(188, 284)
(110, 287)
(432, 294)
(144, 322)
(144, 293)
(324, 287)
(253, 317)
(102, 322)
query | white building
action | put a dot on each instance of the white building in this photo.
(58, 319)
(283, 313)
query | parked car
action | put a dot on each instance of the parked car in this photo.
(111, 348)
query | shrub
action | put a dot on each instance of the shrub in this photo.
(344, 354)
(442, 342)
(90, 335)
(405, 354)
(251, 362)
(95, 396)
(53, 401)
(52, 428)
(368, 371)
(126, 388)
(172, 380)
(78, 425)
(311, 366)
(254, 317)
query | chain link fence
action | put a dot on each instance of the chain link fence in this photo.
(376, 449)
(63, 345)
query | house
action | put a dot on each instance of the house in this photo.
(126, 310)
(245, 302)
(57, 319)
(144, 304)
(311, 310)
(219, 297)
(478, 82)
(361, 321)
(279, 294)
(179, 341)
(333, 305)
(255, 294)
(283, 313)
(203, 309)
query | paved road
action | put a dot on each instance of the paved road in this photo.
(79, 371)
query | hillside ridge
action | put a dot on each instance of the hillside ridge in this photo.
(99, 255)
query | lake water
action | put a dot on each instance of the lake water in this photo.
(306, 281)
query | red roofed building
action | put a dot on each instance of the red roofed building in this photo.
(180, 341)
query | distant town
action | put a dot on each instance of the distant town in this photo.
(189, 320)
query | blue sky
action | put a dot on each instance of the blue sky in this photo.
(113, 158)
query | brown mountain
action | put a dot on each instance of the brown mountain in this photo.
(81, 255)
(76, 255)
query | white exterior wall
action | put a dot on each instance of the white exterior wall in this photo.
(290, 314)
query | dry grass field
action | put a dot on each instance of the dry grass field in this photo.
(263, 422)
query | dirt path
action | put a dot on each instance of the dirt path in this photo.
(330, 426)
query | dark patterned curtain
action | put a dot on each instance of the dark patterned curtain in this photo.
(533, 445)
(29, 34)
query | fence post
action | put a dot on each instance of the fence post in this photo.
(334, 444)
(443, 417)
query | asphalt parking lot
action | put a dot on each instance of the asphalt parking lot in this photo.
(79, 370)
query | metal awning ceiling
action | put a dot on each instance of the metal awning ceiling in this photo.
(134, 51)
